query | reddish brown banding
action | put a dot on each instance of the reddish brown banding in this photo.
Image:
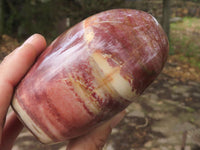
(90, 73)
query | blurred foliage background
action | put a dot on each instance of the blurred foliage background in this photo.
(48, 17)
(22, 18)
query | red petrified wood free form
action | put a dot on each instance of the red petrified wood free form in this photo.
(89, 73)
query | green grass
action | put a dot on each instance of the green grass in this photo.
(187, 22)
(184, 39)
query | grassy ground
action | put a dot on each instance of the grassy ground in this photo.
(184, 40)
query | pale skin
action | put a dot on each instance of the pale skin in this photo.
(12, 69)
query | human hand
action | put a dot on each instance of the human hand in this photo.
(12, 70)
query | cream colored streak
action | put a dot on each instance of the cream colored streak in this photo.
(101, 84)
(88, 34)
(30, 124)
(112, 75)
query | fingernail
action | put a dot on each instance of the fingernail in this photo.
(116, 119)
(30, 39)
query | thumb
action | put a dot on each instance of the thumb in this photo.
(96, 139)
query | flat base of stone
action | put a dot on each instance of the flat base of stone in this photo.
(28, 122)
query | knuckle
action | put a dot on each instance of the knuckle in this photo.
(100, 140)
(99, 143)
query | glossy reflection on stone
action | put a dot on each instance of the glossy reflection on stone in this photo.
(89, 73)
